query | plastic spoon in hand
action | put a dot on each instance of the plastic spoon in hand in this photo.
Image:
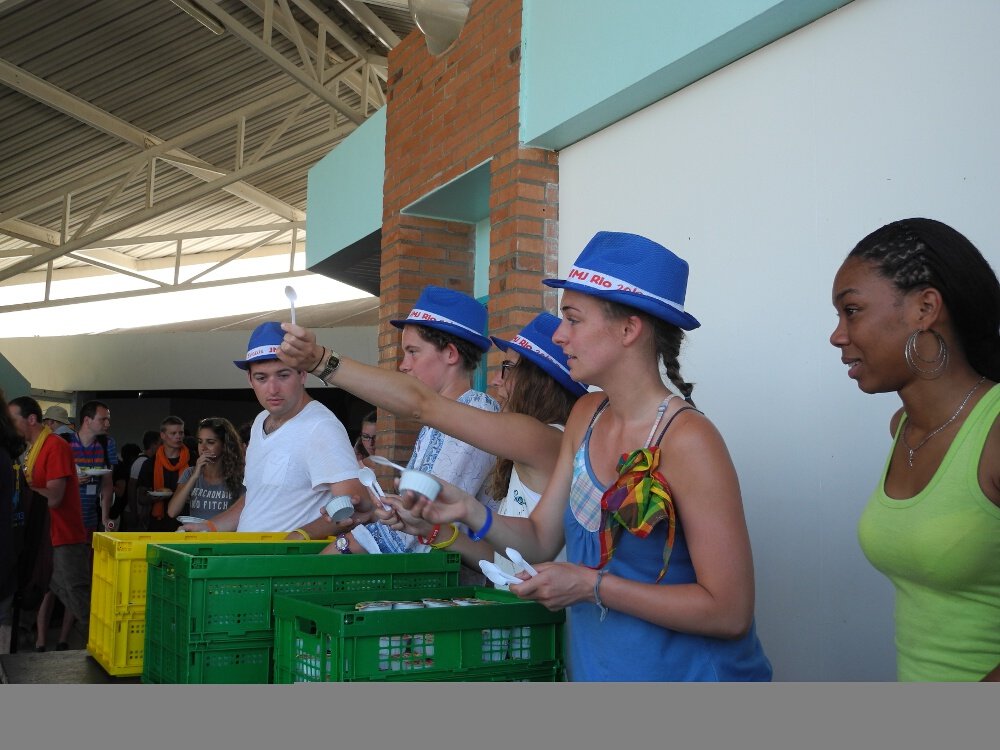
(497, 575)
(386, 462)
(517, 559)
(292, 296)
(367, 477)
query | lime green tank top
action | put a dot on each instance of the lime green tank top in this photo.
(941, 550)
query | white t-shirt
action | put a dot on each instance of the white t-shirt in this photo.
(133, 473)
(288, 472)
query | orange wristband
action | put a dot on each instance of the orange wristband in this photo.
(211, 526)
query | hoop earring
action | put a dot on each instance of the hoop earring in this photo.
(940, 360)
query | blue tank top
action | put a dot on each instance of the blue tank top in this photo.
(625, 648)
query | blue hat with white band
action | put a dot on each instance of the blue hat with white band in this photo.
(264, 343)
(634, 271)
(449, 311)
(534, 342)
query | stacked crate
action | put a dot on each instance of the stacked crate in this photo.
(209, 607)
(118, 592)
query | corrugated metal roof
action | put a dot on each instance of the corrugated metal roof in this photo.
(77, 74)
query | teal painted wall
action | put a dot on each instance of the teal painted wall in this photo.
(344, 192)
(587, 67)
(12, 382)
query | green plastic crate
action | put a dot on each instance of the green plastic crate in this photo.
(323, 638)
(209, 607)
(239, 661)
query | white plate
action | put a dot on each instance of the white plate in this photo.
(160, 493)
(190, 519)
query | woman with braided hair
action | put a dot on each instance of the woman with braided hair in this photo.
(918, 311)
(659, 575)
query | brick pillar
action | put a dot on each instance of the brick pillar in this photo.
(445, 116)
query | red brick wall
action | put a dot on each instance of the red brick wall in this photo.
(446, 115)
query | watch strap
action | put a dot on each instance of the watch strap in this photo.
(332, 363)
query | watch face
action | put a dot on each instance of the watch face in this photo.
(343, 545)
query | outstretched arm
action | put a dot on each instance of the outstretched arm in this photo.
(515, 436)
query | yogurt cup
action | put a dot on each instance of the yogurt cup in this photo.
(419, 482)
(432, 603)
(340, 508)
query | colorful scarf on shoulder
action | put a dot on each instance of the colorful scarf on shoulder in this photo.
(638, 500)
(162, 464)
(33, 451)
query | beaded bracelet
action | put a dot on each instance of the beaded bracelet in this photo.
(486, 526)
(597, 594)
(433, 537)
(450, 540)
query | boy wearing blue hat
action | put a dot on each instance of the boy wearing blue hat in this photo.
(443, 342)
(299, 456)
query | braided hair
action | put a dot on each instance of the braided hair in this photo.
(918, 253)
(667, 340)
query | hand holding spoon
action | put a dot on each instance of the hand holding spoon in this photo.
(367, 477)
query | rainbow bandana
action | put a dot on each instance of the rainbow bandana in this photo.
(637, 501)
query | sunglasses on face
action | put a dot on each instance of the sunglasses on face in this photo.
(504, 366)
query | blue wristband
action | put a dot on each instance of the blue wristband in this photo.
(486, 527)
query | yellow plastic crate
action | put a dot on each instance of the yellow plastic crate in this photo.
(118, 591)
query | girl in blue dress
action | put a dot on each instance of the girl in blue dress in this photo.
(658, 582)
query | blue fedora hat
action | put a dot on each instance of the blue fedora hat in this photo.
(449, 311)
(264, 343)
(635, 271)
(534, 343)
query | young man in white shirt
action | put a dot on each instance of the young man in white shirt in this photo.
(299, 456)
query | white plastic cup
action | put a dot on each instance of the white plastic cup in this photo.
(340, 508)
(419, 482)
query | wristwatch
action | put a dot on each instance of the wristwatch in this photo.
(332, 363)
(343, 546)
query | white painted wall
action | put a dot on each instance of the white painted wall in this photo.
(763, 176)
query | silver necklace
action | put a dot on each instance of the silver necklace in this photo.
(952, 418)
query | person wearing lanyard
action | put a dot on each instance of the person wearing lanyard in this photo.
(94, 449)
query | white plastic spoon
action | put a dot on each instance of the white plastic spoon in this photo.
(495, 574)
(367, 477)
(519, 561)
(386, 462)
(292, 296)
